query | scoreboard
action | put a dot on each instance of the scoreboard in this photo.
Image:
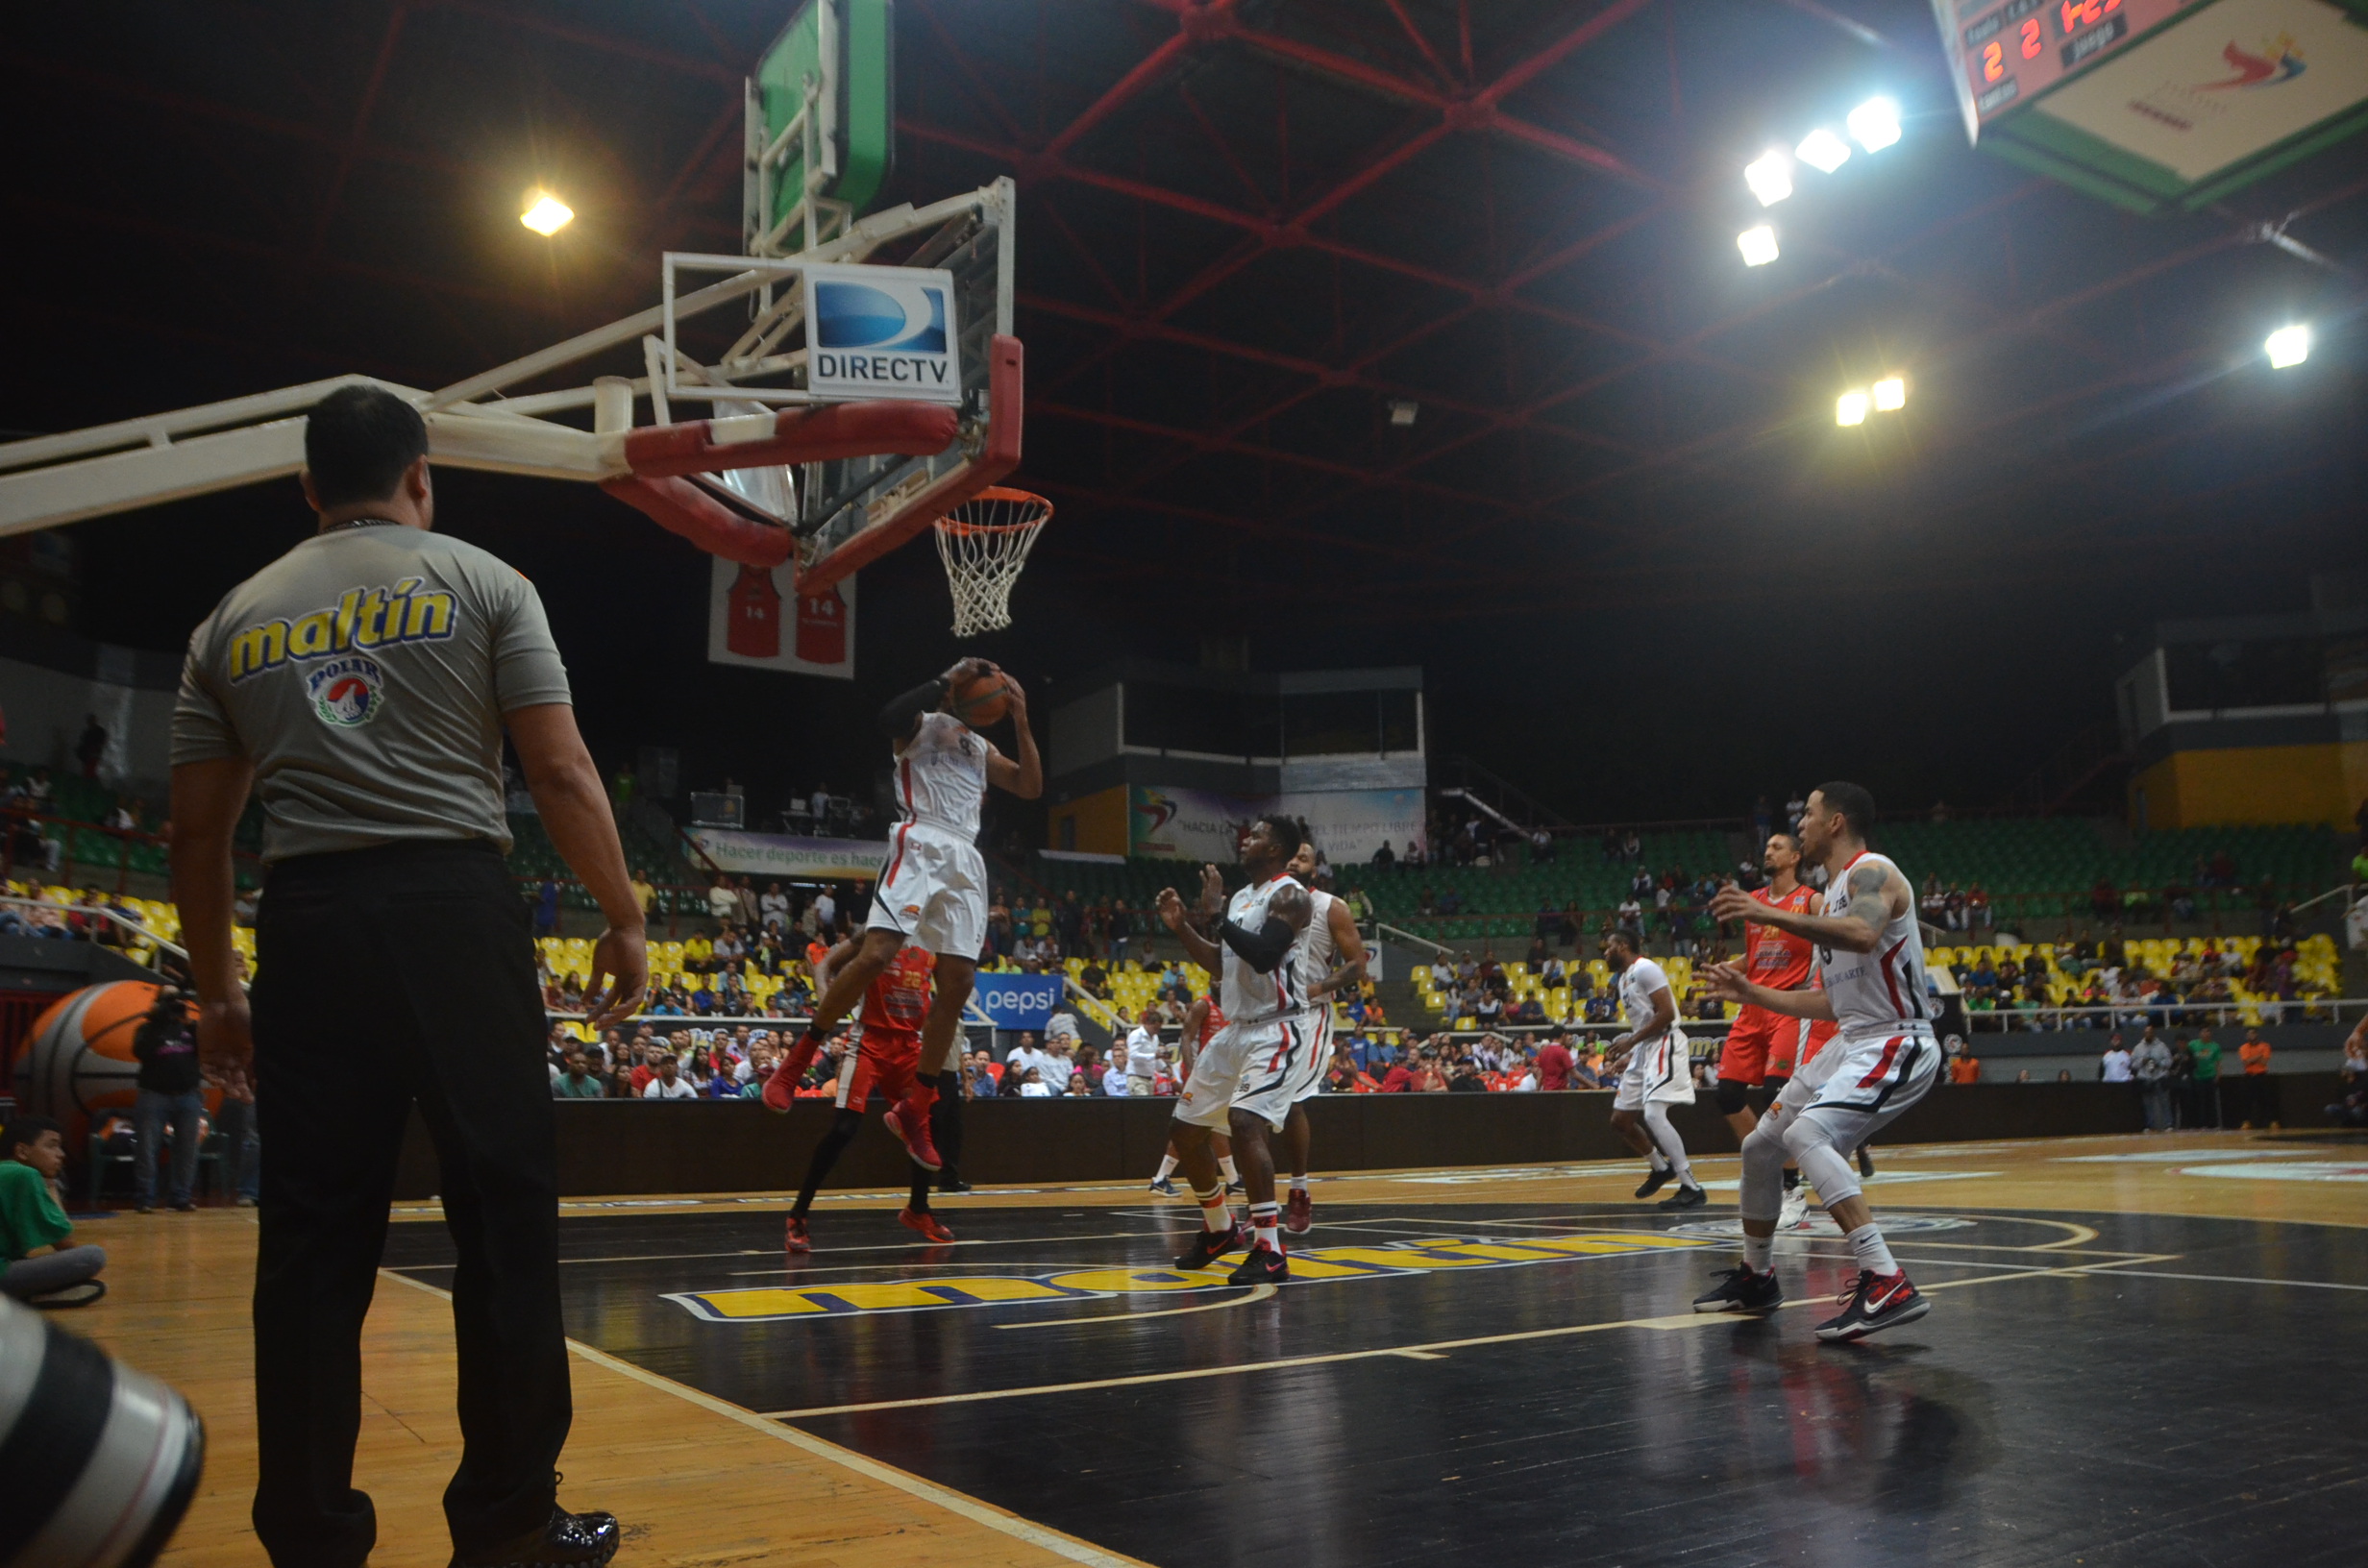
(2155, 102)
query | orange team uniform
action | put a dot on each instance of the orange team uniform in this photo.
(888, 1056)
(1762, 1045)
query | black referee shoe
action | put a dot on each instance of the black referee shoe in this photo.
(581, 1541)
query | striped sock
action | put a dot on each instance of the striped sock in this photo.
(1267, 1218)
(1214, 1214)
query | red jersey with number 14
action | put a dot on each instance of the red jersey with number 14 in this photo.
(1777, 959)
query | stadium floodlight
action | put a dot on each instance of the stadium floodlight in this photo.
(2288, 347)
(1890, 394)
(1850, 408)
(1769, 177)
(1823, 150)
(1875, 123)
(546, 214)
(1757, 245)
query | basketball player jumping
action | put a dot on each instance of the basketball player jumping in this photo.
(1331, 940)
(1263, 1035)
(932, 893)
(1656, 1075)
(887, 1056)
(1764, 1048)
(1870, 954)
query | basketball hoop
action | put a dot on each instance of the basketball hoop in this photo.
(984, 541)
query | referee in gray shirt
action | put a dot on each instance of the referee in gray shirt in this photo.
(359, 685)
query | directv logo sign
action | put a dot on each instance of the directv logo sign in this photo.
(883, 332)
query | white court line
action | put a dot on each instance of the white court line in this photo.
(766, 1251)
(953, 1502)
(1256, 1292)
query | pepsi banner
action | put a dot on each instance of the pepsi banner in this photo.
(1018, 1001)
(883, 332)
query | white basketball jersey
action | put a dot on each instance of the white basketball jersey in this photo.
(1882, 991)
(1317, 952)
(1243, 992)
(941, 776)
(1638, 983)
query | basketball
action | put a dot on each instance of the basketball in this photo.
(77, 1065)
(982, 699)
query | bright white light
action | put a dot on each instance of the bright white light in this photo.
(2288, 347)
(1850, 408)
(1757, 245)
(1875, 123)
(1769, 177)
(1821, 149)
(1402, 410)
(548, 216)
(1890, 393)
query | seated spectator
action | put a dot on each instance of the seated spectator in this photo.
(32, 1155)
(1032, 1085)
(577, 1082)
(669, 1084)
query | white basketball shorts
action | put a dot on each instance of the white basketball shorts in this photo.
(1218, 1071)
(1290, 1069)
(933, 890)
(1658, 1072)
(1864, 1082)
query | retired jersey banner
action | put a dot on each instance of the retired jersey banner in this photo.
(790, 857)
(1348, 826)
(1018, 1001)
(756, 617)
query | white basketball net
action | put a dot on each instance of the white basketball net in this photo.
(984, 541)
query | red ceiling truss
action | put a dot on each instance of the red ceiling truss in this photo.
(1246, 227)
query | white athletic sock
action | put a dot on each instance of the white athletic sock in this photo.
(1759, 1252)
(1266, 1218)
(1299, 1183)
(1661, 1161)
(1874, 1255)
(1667, 1145)
(1214, 1213)
(1167, 1169)
(1225, 1164)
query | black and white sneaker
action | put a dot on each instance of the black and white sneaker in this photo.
(1210, 1246)
(1740, 1291)
(1878, 1302)
(1262, 1267)
(1688, 1196)
(1656, 1180)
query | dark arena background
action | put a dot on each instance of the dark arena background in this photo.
(1532, 442)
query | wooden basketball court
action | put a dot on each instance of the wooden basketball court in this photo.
(2130, 1357)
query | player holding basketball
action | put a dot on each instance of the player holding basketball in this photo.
(1656, 1075)
(1257, 990)
(1331, 956)
(887, 1057)
(1764, 1048)
(932, 893)
(1870, 954)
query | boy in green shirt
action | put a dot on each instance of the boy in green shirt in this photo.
(32, 1153)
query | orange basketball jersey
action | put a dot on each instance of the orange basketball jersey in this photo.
(898, 1001)
(1777, 959)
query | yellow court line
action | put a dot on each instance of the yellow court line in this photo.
(968, 1508)
(1256, 1292)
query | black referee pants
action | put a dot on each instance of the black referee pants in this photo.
(385, 977)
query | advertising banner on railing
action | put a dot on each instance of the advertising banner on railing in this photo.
(789, 857)
(1018, 1001)
(1198, 824)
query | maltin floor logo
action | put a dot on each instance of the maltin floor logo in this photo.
(1401, 1260)
(883, 332)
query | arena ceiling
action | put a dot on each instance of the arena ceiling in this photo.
(1246, 227)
